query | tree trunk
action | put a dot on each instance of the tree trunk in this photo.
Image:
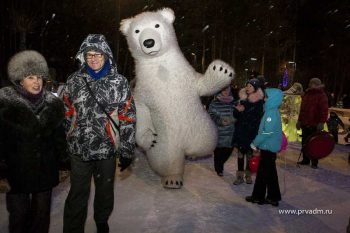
(22, 40)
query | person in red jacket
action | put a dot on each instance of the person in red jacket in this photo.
(313, 115)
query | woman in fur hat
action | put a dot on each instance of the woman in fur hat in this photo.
(32, 142)
(248, 115)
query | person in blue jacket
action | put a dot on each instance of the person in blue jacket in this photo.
(221, 111)
(268, 141)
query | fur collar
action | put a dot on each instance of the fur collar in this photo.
(253, 97)
(49, 117)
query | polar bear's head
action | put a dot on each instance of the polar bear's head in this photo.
(150, 34)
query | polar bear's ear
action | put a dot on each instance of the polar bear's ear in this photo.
(125, 25)
(168, 14)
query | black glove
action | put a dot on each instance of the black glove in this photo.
(65, 165)
(124, 163)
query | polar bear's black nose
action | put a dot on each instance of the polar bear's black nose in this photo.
(149, 43)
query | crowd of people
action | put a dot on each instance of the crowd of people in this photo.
(91, 123)
(256, 130)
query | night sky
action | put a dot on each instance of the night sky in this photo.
(314, 34)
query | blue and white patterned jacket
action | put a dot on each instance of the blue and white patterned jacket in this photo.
(87, 127)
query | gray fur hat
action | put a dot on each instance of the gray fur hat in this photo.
(25, 63)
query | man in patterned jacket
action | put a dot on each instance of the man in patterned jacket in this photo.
(92, 146)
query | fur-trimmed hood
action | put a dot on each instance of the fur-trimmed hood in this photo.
(25, 63)
(253, 97)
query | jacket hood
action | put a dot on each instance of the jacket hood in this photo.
(274, 98)
(97, 42)
(296, 89)
(25, 63)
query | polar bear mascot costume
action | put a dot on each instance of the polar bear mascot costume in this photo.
(171, 121)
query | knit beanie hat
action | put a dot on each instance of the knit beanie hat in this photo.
(256, 83)
(25, 63)
(316, 82)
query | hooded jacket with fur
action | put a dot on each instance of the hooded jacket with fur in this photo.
(32, 144)
(270, 130)
(87, 127)
(248, 121)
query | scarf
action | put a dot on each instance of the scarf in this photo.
(225, 99)
(101, 73)
(36, 101)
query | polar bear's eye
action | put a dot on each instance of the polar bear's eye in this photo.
(156, 26)
(137, 31)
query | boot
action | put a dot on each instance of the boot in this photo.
(248, 177)
(102, 227)
(239, 178)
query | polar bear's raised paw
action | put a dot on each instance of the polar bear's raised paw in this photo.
(221, 70)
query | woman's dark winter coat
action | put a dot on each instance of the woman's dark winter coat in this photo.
(248, 121)
(32, 145)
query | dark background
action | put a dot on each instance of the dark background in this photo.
(310, 38)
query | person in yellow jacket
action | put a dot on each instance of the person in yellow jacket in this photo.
(290, 111)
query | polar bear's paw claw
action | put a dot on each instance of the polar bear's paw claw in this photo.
(149, 140)
(172, 182)
(153, 143)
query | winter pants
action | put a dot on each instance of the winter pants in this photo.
(221, 155)
(335, 135)
(306, 133)
(29, 213)
(240, 160)
(266, 178)
(76, 206)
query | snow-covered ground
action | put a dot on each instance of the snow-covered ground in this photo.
(211, 204)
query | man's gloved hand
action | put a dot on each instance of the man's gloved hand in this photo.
(124, 163)
(65, 165)
(320, 126)
(298, 125)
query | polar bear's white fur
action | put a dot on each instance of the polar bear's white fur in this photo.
(171, 121)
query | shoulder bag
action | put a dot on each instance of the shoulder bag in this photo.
(114, 125)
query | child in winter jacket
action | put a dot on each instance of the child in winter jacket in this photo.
(221, 111)
(333, 124)
(268, 141)
(248, 115)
